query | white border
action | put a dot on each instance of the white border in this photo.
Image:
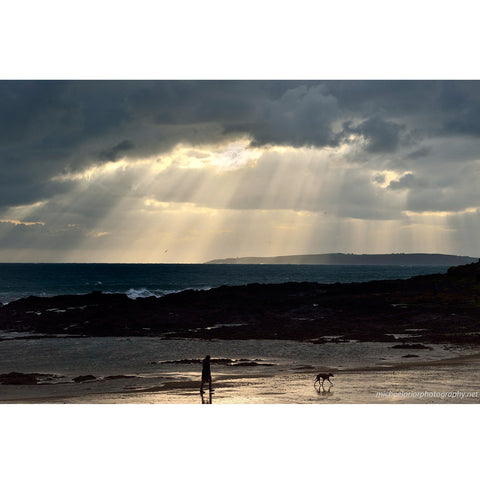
(253, 39)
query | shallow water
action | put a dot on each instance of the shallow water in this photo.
(102, 356)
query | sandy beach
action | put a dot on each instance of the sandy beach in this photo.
(452, 380)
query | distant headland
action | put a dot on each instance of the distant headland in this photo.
(353, 259)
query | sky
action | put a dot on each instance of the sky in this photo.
(188, 171)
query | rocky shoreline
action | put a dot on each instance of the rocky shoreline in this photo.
(441, 308)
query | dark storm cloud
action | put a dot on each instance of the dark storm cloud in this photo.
(32, 110)
(117, 151)
(468, 123)
(50, 128)
(27, 185)
(382, 136)
(421, 152)
(408, 181)
(302, 116)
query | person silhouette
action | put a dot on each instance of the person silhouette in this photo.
(206, 374)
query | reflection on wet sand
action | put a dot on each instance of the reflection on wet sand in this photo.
(206, 400)
(321, 390)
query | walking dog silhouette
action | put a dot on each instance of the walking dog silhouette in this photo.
(321, 377)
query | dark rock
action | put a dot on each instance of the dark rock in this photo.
(411, 346)
(250, 364)
(187, 361)
(118, 377)
(369, 335)
(15, 378)
(356, 311)
(84, 378)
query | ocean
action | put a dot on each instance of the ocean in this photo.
(20, 280)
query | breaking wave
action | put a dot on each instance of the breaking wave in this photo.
(134, 293)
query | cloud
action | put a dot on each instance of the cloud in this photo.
(321, 147)
(381, 136)
(302, 116)
(405, 182)
(118, 151)
(70, 125)
(419, 153)
(24, 236)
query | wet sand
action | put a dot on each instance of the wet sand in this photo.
(447, 381)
